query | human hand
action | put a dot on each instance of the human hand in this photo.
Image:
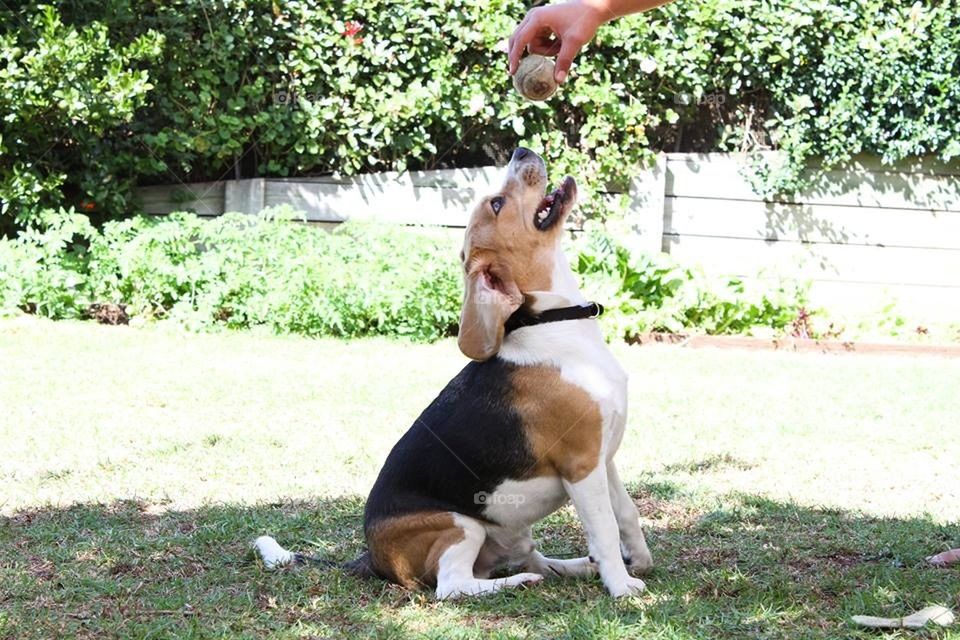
(556, 30)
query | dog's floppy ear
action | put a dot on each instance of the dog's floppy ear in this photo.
(489, 298)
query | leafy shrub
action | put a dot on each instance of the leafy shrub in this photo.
(244, 89)
(67, 94)
(855, 76)
(240, 272)
(45, 272)
(653, 294)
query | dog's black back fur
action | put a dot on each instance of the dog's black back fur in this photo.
(463, 445)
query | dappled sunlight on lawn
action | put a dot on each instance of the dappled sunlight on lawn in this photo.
(747, 567)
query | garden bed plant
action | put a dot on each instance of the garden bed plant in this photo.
(242, 272)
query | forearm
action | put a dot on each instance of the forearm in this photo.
(610, 9)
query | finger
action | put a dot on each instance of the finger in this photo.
(569, 48)
(513, 39)
(522, 23)
(521, 38)
(513, 36)
(518, 43)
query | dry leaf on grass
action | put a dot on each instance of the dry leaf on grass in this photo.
(936, 614)
(945, 559)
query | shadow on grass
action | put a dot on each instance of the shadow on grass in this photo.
(747, 567)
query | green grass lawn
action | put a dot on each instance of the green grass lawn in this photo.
(782, 492)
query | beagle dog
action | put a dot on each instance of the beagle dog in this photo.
(532, 422)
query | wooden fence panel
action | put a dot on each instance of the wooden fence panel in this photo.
(723, 176)
(443, 198)
(865, 236)
(819, 223)
(202, 198)
(839, 263)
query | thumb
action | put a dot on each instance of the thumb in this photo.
(569, 48)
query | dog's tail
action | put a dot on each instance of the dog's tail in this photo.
(274, 556)
(362, 567)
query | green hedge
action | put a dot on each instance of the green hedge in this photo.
(242, 272)
(97, 95)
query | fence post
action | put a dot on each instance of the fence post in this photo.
(245, 196)
(647, 195)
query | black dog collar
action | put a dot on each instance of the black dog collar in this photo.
(523, 318)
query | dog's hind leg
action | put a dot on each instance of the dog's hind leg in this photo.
(522, 552)
(562, 567)
(362, 567)
(516, 548)
(455, 577)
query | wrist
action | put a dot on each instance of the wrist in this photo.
(597, 12)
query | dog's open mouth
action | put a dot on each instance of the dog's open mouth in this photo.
(556, 203)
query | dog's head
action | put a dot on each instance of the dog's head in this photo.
(509, 250)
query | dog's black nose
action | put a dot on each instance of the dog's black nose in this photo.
(521, 153)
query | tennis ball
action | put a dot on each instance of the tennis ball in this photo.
(534, 78)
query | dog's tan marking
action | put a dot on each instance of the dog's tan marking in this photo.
(504, 255)
(407, 549)
(509, 244)
(563, 423)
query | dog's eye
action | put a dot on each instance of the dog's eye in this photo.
(496, 204)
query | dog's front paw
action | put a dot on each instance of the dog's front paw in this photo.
(639, 563)
(630, 587)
